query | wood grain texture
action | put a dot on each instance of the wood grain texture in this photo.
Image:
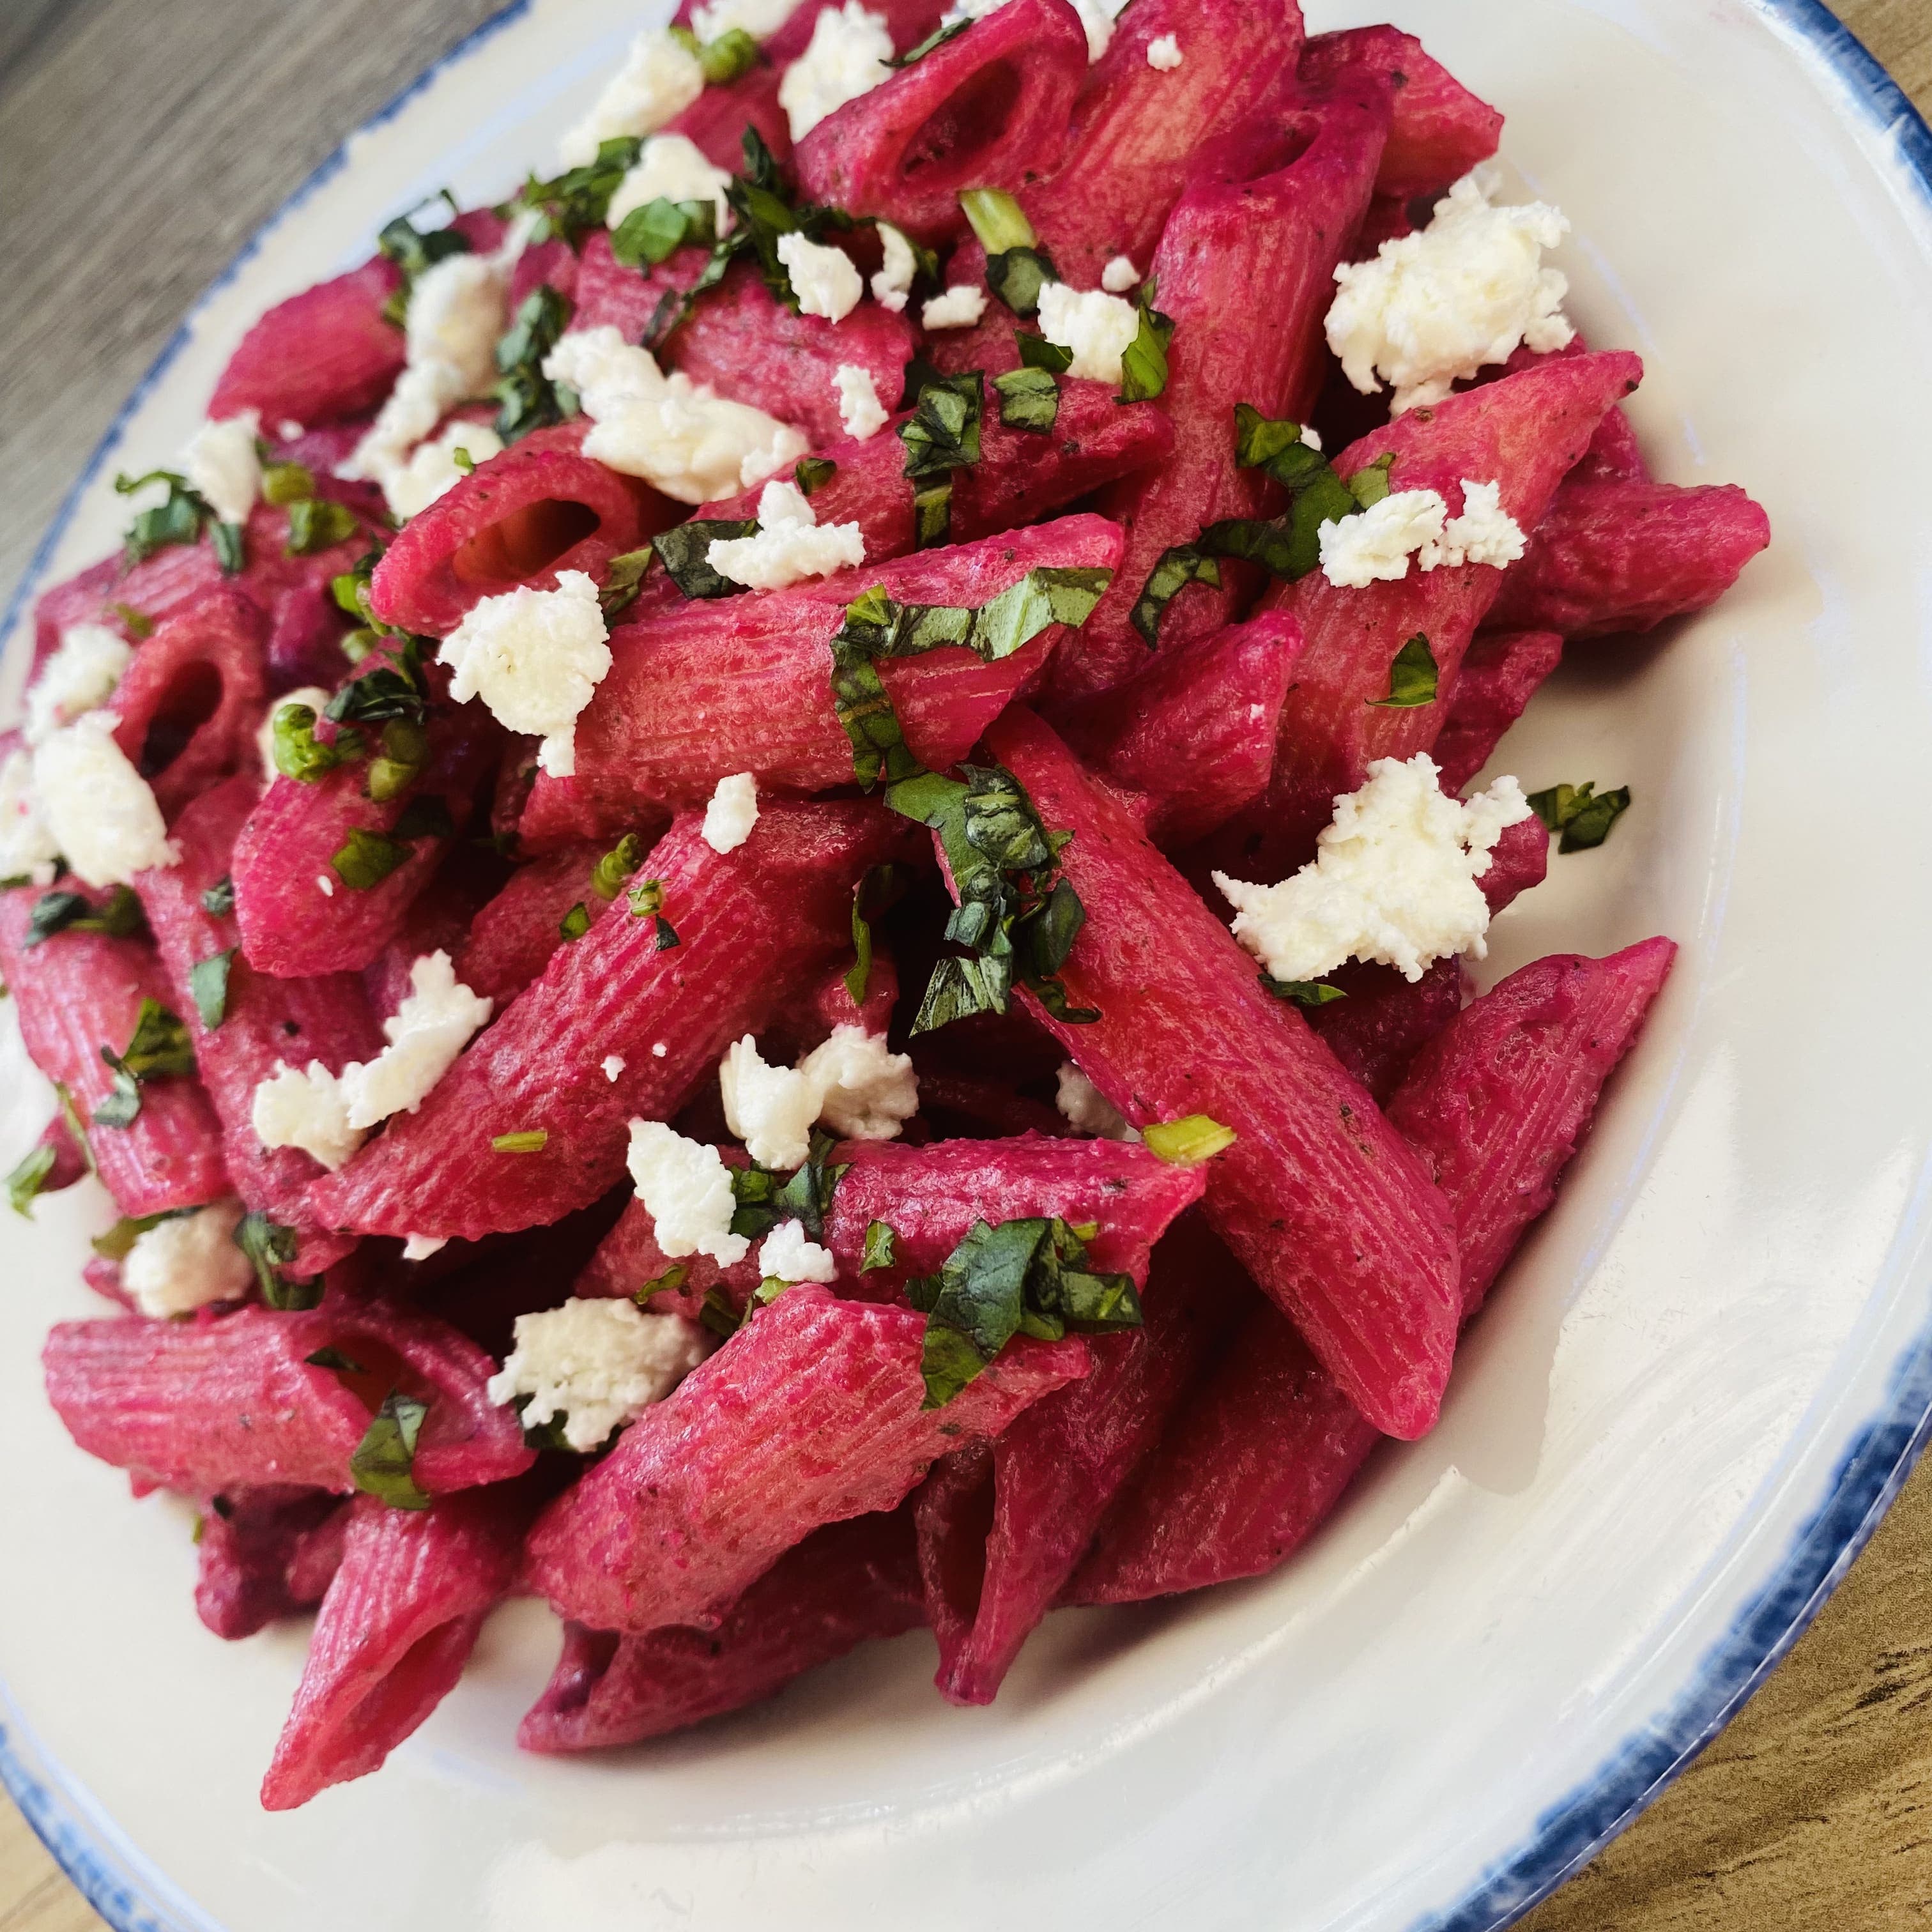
(141, 142)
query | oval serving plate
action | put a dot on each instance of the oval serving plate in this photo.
(1683, 1413)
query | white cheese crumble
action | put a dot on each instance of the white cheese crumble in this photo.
(960, 307)
(686, 1190)
(682, 440)
(1375, 547)
(97, 807)
(671, 167)
(851, 54)
(420, 1247)
(612, 1064)
(1311, 436)
(824, 279)
(432, 470)
(426, 1033)
(760, 19)
(1484, 533)
(598, 1363)
(304, 1107)
(1438, 306)
(1083, 1106)
(1394, 880)
(222, 466)
(732, 812)
(289, 430)
(1100, 328)
(187, 1261)
(313, 695)
(866, 1091)
(658, 1049)
(789, 1256)
(859, 409)
(1164, 55)
(27, 850)
(324, 885)
(770, 1108)
(1119, 275)
(789, 545)
(1097, 16)
(893, 283)
(536, 657)
(661, 77)
(79, 677)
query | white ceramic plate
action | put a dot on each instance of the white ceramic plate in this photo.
(1678, 1422)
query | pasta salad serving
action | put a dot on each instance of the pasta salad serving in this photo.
(755, 880)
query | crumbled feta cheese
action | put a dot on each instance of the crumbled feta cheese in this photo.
(789, 545)
(1375, 546)
(1119, 275)
(658, 1049)
(612, 1064)
(1164, 55)
(1438, 305)
(536, 657)
(79, 677)
(661, 77)
(760, 19)
(851, 54)
(222, 467)
(672, 167)
(313, 695)
(432, 468)
(187, 1261)
(789, 1256)
(420, 1247)
(426, 1033)
(1311, 436)
(866, 1092)
(304, 1108)
(324, 885)
(824, 279)
(960, 307)
(1394, 878)
(1083, 1105)
(687, 442)
(1484, 533)
(97, 807)
(1100, 328)
(289, 430)
(598, 1363)
(859, 409)
(732, 812)
(27, 850)
(686, 1190)
(770, 1108)
(1097, 16)
(893, 283)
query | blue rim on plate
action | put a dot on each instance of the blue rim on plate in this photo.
(110, 1873)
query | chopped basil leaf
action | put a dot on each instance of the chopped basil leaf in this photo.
(577, 200)
(120, 916)
(1186, 1143)
(1368, 487)
(882, 1247)
(527, 400)
(530, 1140)
(1017, 275)
(872, 897)
(119, 1241)
(1029, 399)
(27, 1179)
(654, 232)
(606, 879)
(1027, 1276)
(1036, 352)
(218, 901)
(426, 816)
(998, 220)
(734, 53)
(405, 752)
(1143, 360)
(138, 622)
(667, 935)
(208, 981)
(271, 1248)
(383, 1465)
(932, 510)
(938, 38)
(646, 898)
(1184, 565)
(672, 1279)
(1303, 992)
(1412, 677)
(159, 1049)
(413, 250)
(316, 523)
(300, 754)
(944, 432)
(395, 687)
(685, 551)
(464, 461)
(284, 484)
(180, 517)
(1580, 813)
(334, 1359)
(813, 473)
(70, 1114)
(366, 859)
(623, 578)
(718, 1314)
(806, 1197)
(576, 923)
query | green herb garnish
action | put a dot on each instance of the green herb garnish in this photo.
(1412, 677)
(208, 981)
(383, 1464)
(1583, 815)
(271, 1248)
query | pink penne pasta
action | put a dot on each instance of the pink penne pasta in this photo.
(400, 1619)
(511, 939)
(1442, 130)
(59, 1142)
(1499, 676)
(989, 109)
(79, 995)
(744, 684)
(1046, 1482)
(1497, 1102)
(265, 1554)
(232, 1401)
(845, 1585)
(1614, 556)
(1318, 1197)
(1385, 1022)
(812, 1413)
(263, 1021)
(748, 923)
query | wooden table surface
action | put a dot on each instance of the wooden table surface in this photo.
(141, 143)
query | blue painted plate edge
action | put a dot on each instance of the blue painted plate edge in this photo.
(1570, 1832)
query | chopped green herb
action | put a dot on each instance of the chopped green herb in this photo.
(413, 250)
(140, 624)
(1036, 352)
(1580, 813)
(685, 551)
(530, 1140)
(334, 1359)
(120, 916)
(576, 923)
(998, 220)
(218, 901)
(383, 1464)
(284, 484)
(1303, 992)
(464, 461)
(672, 1279)
(763, 1202)
(1412, 677)
(24, 1182)
(159, 1049)
(271, 1248)
(208, 981)
(1143, 360)
(813, 473)
(76, 1127)
(119, 1241)
(405, 752)
(654, 232)
(316, 523)
(526, 399)
(935, 39)
(944, 432)
(718, 1314)
(1029, 399)
(882, 1247)
(732, 54)
(365, 858)
(395, 687)
(872, 897)
(180, 517)
(577, 200)
(606, 879)
(624, 576)
(1186, 1143)
(1369, 486)
(300, 754)
(1179, 567)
